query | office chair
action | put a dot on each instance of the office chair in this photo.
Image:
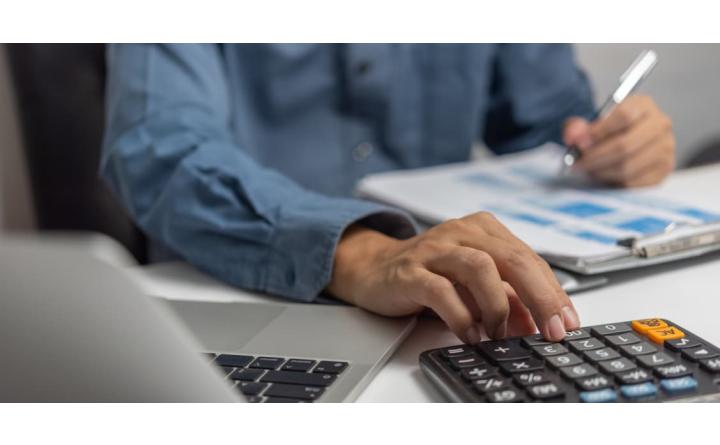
(60, 92)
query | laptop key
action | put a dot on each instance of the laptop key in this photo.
(330, 367)
(238, 361)
(295, 391)
(283, 400)
(298, 378)
(267, 362)
(299, 365)
(251, 388)
(247, 375)
(226, 369)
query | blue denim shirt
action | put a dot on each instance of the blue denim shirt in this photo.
(242, 159)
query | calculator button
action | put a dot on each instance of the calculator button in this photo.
(699, 353)
(505, 396)
(477, 372)
(661, 335)
(466, 361)
(524, 365)
(623, 339)
(598, 355)
(531, 378)
(593, 383)
(534, 340)
(619, 365)
(641, 348)
(503, 350)
(681, 343)
(611, 329)
(457, 351)
(600, 396)
(550, 349)
(634, 376)
(577, 334)
(672, 371)
(711, 364)
(587, 344)
(656, 359)
(578, 371)
(490, 384)
(681, 384)
(558, 361)
(643, 326)
(545, 391)
(646, 389)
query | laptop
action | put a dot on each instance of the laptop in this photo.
(75, 328)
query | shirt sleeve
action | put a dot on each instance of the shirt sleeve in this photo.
(170, 154)
(534, 88)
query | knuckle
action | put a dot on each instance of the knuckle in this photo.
(517, 257)
(480, 260)
(624, 114)
(437, 287)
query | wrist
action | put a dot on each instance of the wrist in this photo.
(358, 248)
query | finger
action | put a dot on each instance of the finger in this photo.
(624, 144)
(652, 159)
(621, 117)
(476, 271)
(490, 225)
(577, 133)
(520, 267)
(439, 294)
(520, 321)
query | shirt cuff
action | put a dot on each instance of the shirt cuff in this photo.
(306, 236)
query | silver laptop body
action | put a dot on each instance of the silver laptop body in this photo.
(74, 328)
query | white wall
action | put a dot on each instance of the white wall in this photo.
(685, 83)
(15, 205)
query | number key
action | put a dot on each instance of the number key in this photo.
(656, 359)
(577, 334)
(598, 355)
(623, 339)
(587, 344)
(558, 361)
(619, 365)
(611, 329)
(551, 349)
(641, 348)
(578, 371)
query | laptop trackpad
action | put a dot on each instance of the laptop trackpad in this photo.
(225, 327)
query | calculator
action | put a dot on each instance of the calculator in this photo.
(648, 360)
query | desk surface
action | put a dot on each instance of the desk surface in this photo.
(688, 294)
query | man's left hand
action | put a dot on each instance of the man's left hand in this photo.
(632, 146)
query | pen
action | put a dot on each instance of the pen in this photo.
(629, 82)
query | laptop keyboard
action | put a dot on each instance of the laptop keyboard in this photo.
(278, 379)
(650, 360)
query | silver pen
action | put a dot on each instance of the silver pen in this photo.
(629, 82)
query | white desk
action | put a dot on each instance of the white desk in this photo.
(688, 294)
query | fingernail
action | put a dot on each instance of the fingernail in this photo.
(473, 335)
(501, 331)
(572, 321)
(554, 329)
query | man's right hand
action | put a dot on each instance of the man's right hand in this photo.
(471, 271)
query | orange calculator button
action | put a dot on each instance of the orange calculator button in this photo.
(643, 326)
(667, 333)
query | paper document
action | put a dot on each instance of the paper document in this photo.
(555, 215)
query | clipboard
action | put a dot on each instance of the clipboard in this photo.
(676, 243)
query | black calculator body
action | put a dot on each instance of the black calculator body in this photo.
(649, 360)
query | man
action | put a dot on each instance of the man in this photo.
(241, 159)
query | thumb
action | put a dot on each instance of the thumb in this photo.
(577, 133)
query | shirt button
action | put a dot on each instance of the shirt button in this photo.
(362, 151)
(363, 67)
